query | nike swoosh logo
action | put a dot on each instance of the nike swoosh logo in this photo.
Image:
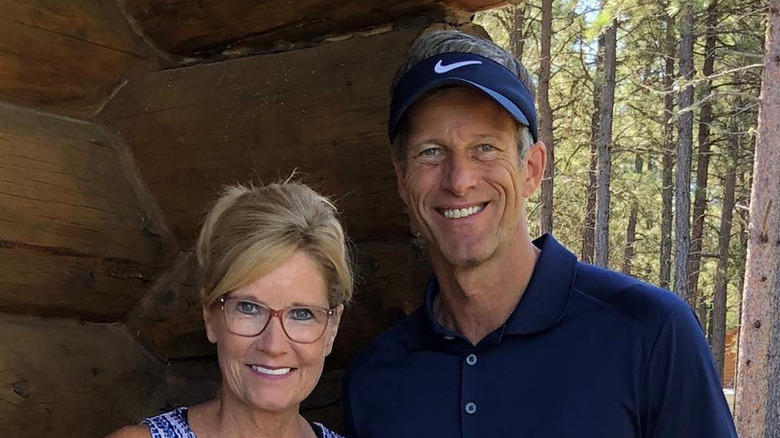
(441, 69)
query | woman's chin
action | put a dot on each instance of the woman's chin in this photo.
(273, 401)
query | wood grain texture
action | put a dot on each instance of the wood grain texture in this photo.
(391, 283)
(321, 110)
(74, 239)
(208, 27)
(67, 379)
(168, 321)
(66, 56)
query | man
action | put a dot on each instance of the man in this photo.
(515, 337)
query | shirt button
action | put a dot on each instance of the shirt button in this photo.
(471, 359)
(449, 338)
(471, 407)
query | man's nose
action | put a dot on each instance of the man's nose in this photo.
(461, 174)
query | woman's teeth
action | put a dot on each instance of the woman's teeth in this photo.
(457, 213)
(270, 372)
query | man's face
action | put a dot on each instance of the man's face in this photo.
(461, 177)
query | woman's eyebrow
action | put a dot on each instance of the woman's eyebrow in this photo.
(246, 297)
(302, 304)
(253, 299)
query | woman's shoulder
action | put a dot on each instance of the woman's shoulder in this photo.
(171, 424)
(323, 432)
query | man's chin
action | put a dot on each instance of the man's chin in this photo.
(465, 257)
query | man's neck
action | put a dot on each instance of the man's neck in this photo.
(475, 301)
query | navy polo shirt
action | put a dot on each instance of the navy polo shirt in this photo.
(586, 353)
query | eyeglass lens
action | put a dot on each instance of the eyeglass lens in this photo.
(301, 324)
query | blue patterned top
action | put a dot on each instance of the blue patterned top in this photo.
(174, 424)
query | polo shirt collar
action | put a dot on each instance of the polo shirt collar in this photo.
(543, 304)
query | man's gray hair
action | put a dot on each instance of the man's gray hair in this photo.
(447, 41)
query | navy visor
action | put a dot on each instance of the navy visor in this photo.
(475, 71)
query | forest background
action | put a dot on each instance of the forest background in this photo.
(656, 104)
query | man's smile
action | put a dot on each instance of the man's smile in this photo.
(461, 212)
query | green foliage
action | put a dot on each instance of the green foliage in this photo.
(638, 118)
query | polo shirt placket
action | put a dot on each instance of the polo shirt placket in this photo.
(469, 400)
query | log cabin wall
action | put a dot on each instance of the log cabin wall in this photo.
(119, 122)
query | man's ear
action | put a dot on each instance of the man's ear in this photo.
(208, 321)
(333, 328)
(534, 162)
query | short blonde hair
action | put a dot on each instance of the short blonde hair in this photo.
(252, 230)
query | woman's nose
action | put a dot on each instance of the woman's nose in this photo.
(273, 339)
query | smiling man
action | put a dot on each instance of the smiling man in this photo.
(515, 337)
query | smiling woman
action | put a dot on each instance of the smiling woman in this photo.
(275, 275)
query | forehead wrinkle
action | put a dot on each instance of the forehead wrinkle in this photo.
(476, 119)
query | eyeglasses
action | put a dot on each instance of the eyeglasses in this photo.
(302, 324)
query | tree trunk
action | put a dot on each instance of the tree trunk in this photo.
(517, 32)
(628, 252)
(601, 251)
(703, 161)
(668, 159)
(546, 119)
(744, 199)
(682, 186)
(758, 397)
(718, 341)
(588, 228)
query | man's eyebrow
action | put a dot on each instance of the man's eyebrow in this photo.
(488, 135)
(422, 143)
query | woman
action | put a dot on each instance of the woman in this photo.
(275, 276)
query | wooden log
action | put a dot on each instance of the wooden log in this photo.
(322, 111)
(74, 237)
(391, 282)
(168, 321)
(187, 382)
(67, 57)
(68, 379)
(211, 27)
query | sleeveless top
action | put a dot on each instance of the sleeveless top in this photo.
(174, 424)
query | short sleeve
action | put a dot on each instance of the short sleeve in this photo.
(682, 395)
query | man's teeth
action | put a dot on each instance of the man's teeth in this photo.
(276, 372)
(458, 213)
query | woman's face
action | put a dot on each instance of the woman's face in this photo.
(269, 371)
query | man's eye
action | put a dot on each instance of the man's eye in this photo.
(301, 314)
(247, 308)
(431, 152)
(486, 148)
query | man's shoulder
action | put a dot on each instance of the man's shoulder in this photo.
(389, 345)
(636, 300)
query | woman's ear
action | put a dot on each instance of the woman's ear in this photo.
(333, 328)
(209, 321)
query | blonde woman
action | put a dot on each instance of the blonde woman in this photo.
(275, 275)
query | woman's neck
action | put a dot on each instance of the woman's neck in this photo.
(227, 416)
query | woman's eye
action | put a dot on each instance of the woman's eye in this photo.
(247, 307)
(301, 314)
